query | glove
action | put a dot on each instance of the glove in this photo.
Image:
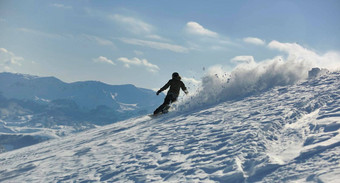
(158, 92)
(186, 92)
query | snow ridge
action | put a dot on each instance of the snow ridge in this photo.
(286, 134)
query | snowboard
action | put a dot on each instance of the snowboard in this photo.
(164, 111)
(155, 115)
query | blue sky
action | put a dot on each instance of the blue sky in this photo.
(143, 42)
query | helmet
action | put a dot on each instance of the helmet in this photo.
(175, 75)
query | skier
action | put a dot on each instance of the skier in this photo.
(175, 85)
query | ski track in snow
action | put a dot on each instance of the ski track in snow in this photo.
(288, 134)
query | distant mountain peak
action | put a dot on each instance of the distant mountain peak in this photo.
(85, 96)
(18, 75)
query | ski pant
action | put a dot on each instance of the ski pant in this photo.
(170, 98)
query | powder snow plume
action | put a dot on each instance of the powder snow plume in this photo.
(250, 77)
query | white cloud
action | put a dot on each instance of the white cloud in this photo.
(61, 6)
(204, 39)
(98, 40)
(191, 80)
(3, 50)
(197, 29)
(329, 60)
(290, 48)
(294, 51)
(155, 45)
(133, 25)
(246, 59)
(157, 37)
(8, 59)
(102, 59)
(254, 40)
(139, 62)
(40, 33)
(128, 62)
(137, 27)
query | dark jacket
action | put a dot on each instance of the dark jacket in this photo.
(175, 85)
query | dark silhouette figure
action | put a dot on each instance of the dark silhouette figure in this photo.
(175, 85)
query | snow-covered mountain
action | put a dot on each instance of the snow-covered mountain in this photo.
(282, 133)
(35, 109)
(85, 94)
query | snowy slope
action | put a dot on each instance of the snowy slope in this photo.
(286, 134)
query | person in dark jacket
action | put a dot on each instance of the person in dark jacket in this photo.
(175, 85)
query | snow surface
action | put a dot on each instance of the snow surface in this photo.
(284, 133)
